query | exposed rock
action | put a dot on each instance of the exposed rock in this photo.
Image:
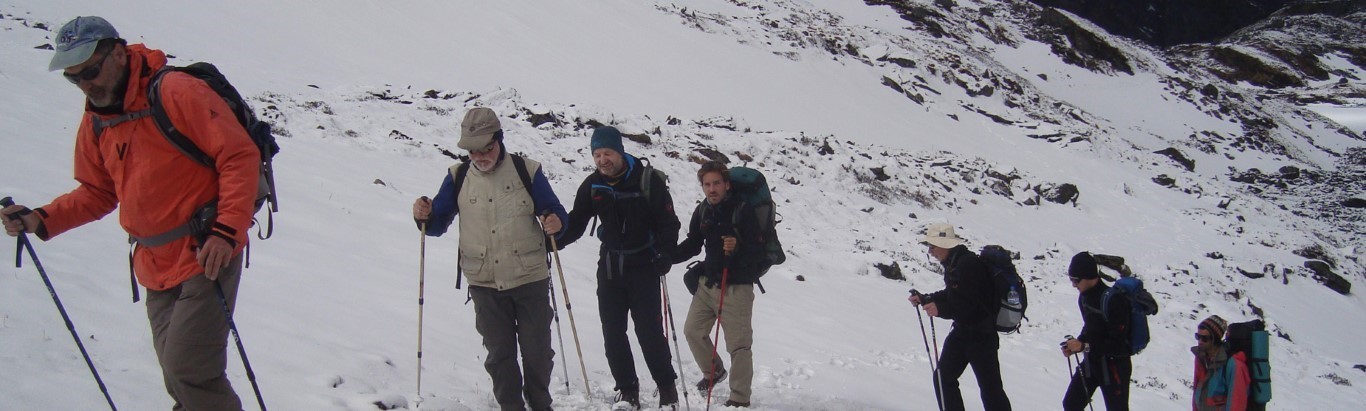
(1242, 67)
(1290, 172)
(537, 120)
(1087, 49)
(880, 173)
(713, 155)
(639, 138)
(43, 46)
(1168, 23)
(1249, 274)
(825, 148)
(1324, 274)
(1164, 180)
(892, 271)
(380, 182)
(1061, 193)
(1178, 157)
(1354, 202)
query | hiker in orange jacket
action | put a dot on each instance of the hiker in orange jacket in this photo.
(123, 160)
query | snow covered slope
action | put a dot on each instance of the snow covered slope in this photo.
(368, 95)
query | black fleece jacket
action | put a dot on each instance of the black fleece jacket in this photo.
(968, 297)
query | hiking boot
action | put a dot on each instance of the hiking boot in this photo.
(708, 383)
(736, 404)
(668, 397)
(630, 396)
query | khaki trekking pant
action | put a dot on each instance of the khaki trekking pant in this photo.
(735, 325)
(190, 335)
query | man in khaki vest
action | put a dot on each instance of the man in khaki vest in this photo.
(502, 253)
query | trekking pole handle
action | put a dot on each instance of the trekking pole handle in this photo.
(8, 201)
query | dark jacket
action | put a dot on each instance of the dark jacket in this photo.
(730, 217)
(968, 297)
(634, 230)
(1107, 338)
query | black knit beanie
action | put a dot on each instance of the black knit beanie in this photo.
(1083, 267)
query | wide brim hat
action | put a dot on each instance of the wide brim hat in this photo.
(941, 235)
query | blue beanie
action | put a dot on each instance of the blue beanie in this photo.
(607, 137)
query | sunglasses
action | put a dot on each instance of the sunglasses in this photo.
(1075, 280)
(90, 73)
(1203, 337)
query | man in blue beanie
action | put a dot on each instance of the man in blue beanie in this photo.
(639, 232)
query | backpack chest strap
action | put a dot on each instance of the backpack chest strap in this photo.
(99, 124)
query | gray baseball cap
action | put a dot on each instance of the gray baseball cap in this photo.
(77, 40)
(478, 128)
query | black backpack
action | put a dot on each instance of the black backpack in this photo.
(1008, 287)
(258, 130)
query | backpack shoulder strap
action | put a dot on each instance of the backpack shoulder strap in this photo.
(168, 129)
(460, 172)
(520, 164)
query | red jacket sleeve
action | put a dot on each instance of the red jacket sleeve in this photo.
(93, 199)
(207, 120)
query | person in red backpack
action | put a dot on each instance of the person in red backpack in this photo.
(123, 161)
(1221, 381)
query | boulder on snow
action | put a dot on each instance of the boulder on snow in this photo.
(892, 271)
(1061, 193)
(1178, 157)
(1324, 274)
(639, 138)
(1354, 202)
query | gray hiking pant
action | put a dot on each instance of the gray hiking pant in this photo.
(735, 324)
(508, 319)
(190, 336)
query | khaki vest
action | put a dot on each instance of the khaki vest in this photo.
(501, 244)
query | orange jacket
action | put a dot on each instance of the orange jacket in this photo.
(134, 167)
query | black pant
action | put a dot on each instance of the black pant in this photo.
(1111, 375)
(634, 291)
(508, 319)
(980, 350)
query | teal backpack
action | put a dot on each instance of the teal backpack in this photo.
(750, 186)
(1251, 338)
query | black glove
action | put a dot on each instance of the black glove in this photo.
(663, 262)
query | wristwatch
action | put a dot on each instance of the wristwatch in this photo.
(1086, 348)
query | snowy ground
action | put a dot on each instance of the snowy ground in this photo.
(326, 310)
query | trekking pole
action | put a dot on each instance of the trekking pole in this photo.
(555, 250)
(421, 293)
(251, 376)
(554, 309)
(934, 365)
(669, 309)
(1084, 386)
(33, 255)
(1081, 372)
(716, 341)
(938, 377)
